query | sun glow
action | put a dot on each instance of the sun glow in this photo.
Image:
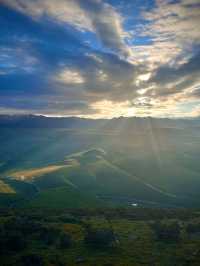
(144, 77)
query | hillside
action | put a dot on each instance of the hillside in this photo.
(120, 161)
(86, 178)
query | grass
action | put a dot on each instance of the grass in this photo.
(31, 174)
(107, 176)
(64, 197)
(5, 188)
(66, 184)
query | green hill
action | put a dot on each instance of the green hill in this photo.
(86, 179)
(64, 197)
(113, 176)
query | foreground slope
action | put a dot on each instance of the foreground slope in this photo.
(101, 237)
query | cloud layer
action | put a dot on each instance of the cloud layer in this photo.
(91, 58)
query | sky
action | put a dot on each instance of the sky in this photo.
(100, 58)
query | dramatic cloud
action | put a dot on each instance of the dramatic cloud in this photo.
(62, 11)
(173, 27)
(97, 59)
(87, 15)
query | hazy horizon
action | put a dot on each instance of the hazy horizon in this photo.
(98, 118)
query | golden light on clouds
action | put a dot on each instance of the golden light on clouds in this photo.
(109, 109)
(69, 76)
(93, 58)
(144, 77)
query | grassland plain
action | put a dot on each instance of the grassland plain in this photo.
(145, 160)
(31, 174)
(87, 178)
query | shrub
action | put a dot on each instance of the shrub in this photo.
(50, 235)
(68, 218)
(99, 237)
(23, 225)
(14, 242)
(193, 228)
(65, 241)
(167, 232)
(32, 259)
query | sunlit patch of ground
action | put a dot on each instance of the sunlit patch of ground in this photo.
(4, 188)
(31, 174)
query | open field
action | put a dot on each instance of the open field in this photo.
(148, 162)
(5, 188)
(33, 173)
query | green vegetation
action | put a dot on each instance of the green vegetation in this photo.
(64, 197)
(102, 237)
(89, 178)
(121, 192)
(149, 162)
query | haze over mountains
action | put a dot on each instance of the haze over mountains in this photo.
(75, 162)
(62, 122)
